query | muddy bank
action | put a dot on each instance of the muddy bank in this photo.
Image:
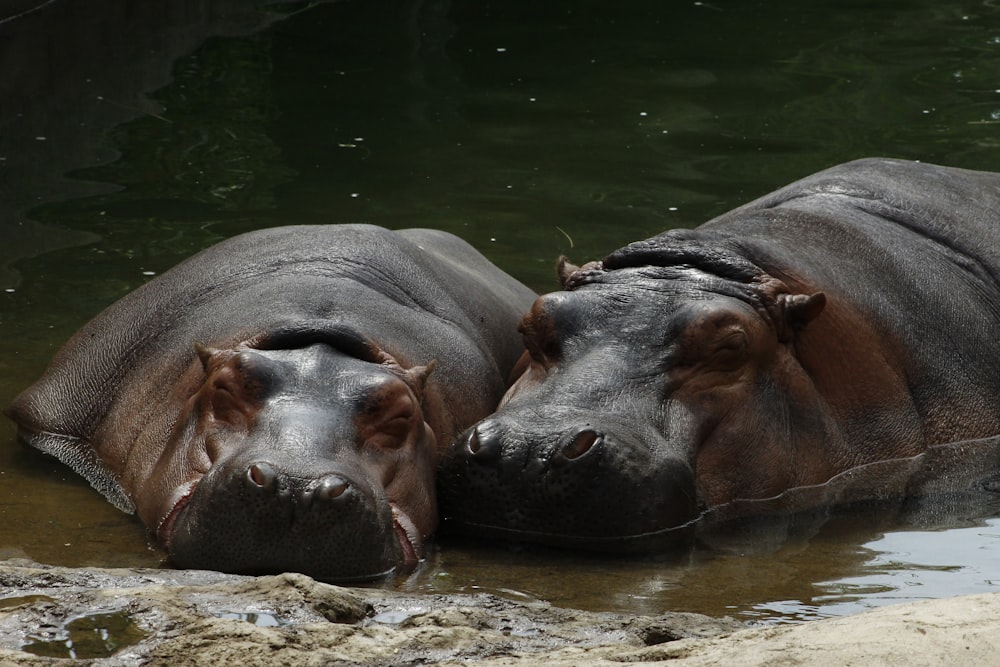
(163, 617)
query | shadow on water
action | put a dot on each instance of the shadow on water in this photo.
(132, 135)
(72, 71)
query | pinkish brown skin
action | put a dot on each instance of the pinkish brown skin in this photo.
(399, 444)
(389, 438)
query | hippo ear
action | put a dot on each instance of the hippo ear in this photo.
(565, 269)
(570, 274)
(417, 376)
(205, 354)
(414, 376)
(799, 310)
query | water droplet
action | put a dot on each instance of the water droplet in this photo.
(258, 618)
(394, 617)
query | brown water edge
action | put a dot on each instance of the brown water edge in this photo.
(786, 567)
(167, 617)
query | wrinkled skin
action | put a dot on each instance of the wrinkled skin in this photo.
(278, 401)
(848, 318)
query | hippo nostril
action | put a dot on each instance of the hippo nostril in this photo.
(331, 487)
(581, 444)
(262, 476)
(474, 444)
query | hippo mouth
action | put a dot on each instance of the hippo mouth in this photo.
(409, 538)
(166, 528)
(406, 533)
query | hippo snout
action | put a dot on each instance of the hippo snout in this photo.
(585, 484)
(259, 518)
(484, 443)
(263, 478)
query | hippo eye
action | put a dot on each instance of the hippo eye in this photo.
(543, 348)
(389, 417)
(730, 351)
(545, 352)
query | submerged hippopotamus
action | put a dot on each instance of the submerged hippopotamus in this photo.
(851, 317)
(278, 401)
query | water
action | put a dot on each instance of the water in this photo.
(90, 636)
(128, 140)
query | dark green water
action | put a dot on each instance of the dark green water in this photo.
(130, 139)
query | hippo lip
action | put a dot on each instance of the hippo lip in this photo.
(408, 536)
(403, 527)
(181, 497)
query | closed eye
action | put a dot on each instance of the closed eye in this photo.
(542, 347)
(729, 352)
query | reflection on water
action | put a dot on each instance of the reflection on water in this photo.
(919, 565)
(132, 139)
(91, 636)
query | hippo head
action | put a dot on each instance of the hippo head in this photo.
(652, 388)
(315, 459)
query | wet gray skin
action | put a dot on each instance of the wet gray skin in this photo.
(582, 451)
(846, 319)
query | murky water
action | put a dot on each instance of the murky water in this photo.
(128, 140)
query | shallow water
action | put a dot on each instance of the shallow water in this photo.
(129, 140)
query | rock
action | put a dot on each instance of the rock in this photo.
(169, 617)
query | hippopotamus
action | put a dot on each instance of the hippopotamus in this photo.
(279, 400)
(846, 319)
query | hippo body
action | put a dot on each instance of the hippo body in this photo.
(278, 401)
(846, 319)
